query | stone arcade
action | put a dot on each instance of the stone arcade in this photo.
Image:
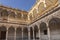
(42, 22)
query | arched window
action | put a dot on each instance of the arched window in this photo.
(4, 13)
(34, 13)
(25, 16)
(41, 8)
(19, 15)
(43, 28)
(48, 3)
(12, 15)
(45, 32)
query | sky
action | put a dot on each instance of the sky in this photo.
(19, 4)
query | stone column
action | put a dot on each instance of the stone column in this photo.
(48, 32)
(28, 33)
(7, 34)
(0, 34)
(15, 34)
(39, 32)
(22, 33)
(33, 34)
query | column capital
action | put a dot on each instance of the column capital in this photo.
(7, 29)
(33, 28)
(22, 29)
(15, 29)
(38, 26)
(28, 29)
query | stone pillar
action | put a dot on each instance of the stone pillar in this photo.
(15, 34)
(22, 33)
(33, 34)
(39, 32)
(7, 34)
(28, 33)
(48, 32)
(0, 34)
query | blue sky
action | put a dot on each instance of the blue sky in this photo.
(20, 4)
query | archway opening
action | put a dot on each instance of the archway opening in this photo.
(2, 33)
(36, 32)
(43, 31)
(31, 33)
(11, 31)
(54, 25)
(25, 33)
(19, 34)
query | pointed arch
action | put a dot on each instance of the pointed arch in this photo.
(54, 25)
(36, 32)
(25, 33)
(3, 33)
(18, 33)
(43, 31)
(11, 32)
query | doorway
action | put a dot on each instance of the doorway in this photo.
(3, 35)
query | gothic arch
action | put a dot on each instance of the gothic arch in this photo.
(36, 32)
(3, 30)
(25, 33)
(18, 33)
(4, 13)
(11, 32)
(54, 25)
(43, 31)
(12, 14)
(41, 8)
(19, 15)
